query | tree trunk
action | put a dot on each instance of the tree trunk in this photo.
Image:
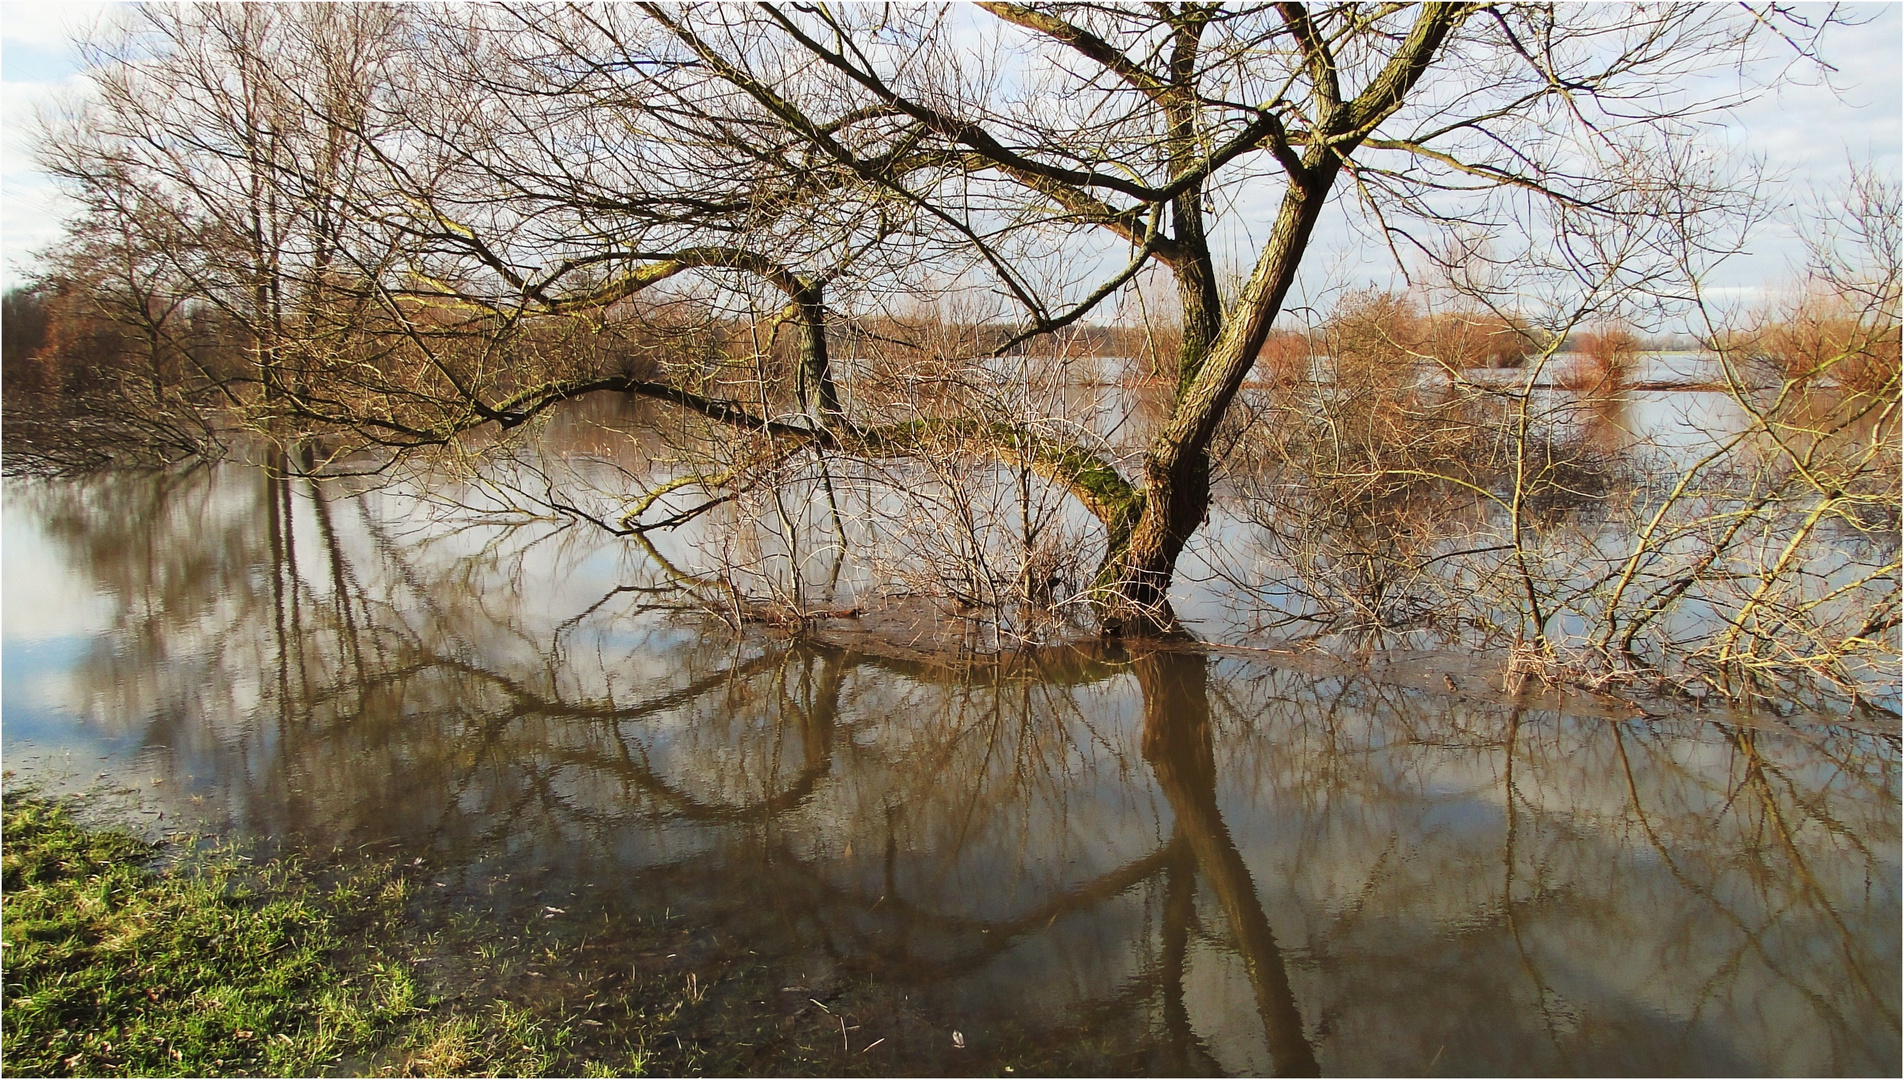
(1136, 590)
(1197, 295)
(813, 373)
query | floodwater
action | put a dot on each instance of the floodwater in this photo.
(1174, 861)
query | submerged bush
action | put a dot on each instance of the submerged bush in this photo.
(1603, 360)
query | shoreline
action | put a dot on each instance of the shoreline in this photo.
(125, 957)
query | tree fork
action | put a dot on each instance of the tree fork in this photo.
(1135, 597)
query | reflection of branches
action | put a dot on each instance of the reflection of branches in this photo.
(450, 702)
(343, 581)
(975, 941)
(816, 743)
(1756, 776)
(1177, 745)
(1543, 993)
(1752, 938)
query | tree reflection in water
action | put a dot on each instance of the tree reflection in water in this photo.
(1168, 862)
(1177, 743)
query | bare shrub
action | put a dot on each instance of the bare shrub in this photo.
(1603, 361)
(1372, 338)
(1354, 480)
(1287, 358)
(1459, 340)
(1826, 339)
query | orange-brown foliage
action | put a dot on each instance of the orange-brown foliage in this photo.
(1384, 331)
(1603, 360)
(1824, 338)
(1373, 336)
(1470, 339)
(1284, 358)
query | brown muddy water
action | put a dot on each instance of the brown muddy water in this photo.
(1069, 858)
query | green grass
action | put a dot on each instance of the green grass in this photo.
(124, 958)
(219, 967)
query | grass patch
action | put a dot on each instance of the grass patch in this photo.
(217, 966)
(124, 958)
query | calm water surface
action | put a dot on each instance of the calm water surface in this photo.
(1171, 861)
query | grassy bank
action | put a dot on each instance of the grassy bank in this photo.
(219, 966)
(125, 958)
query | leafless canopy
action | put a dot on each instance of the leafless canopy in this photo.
(410, 223)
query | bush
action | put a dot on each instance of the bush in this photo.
(1603, 360)
(1827, 339)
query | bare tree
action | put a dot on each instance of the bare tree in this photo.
(431, 230)
(1166, 112)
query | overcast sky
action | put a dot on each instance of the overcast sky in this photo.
(1807, 129)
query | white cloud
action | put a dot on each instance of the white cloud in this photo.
(47, 26)
(38, 65)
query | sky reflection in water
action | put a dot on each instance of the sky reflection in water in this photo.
(1208, 863)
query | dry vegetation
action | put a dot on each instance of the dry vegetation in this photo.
(1604, 361)
(1760, 560)
(868, 305)
(1827, 340)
